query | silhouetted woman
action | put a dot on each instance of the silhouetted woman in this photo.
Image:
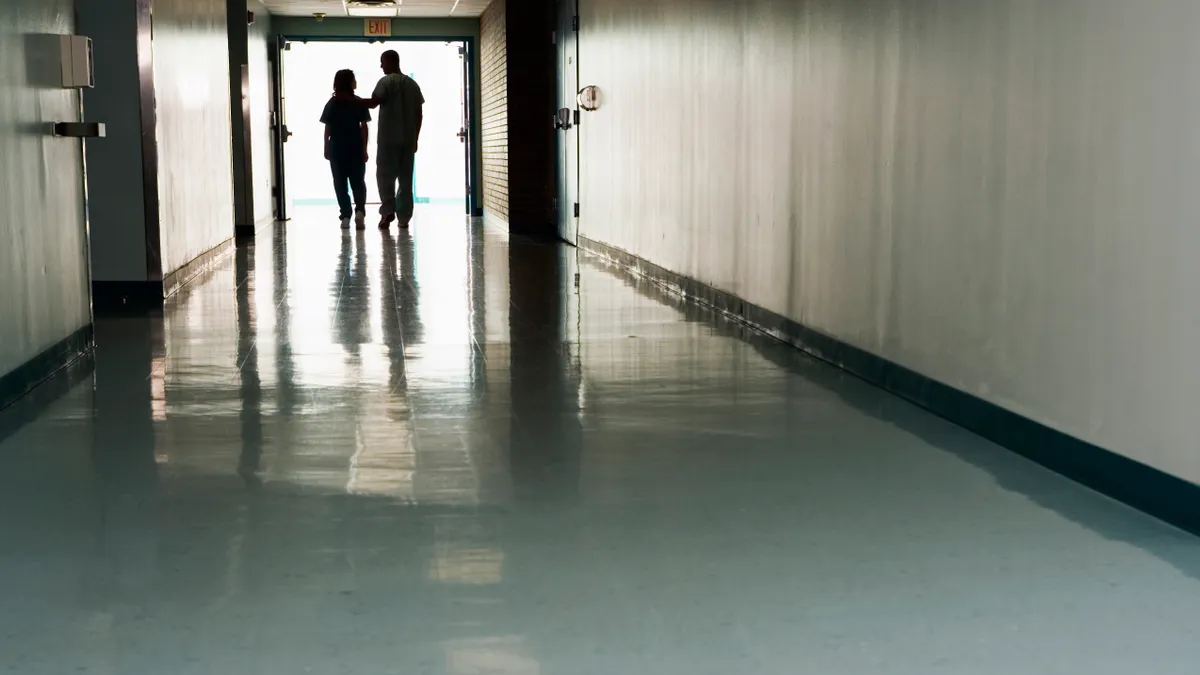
(346, 146)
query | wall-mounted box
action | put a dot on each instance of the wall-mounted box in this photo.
(75, 60)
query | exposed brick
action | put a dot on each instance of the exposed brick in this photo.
(493, 72)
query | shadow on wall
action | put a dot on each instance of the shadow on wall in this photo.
(42, 62)
(42, 71)
(1108, 518)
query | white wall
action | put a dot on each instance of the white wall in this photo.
(43, 262)
(195, 164)
(999, 194)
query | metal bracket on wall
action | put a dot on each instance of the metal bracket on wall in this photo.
(78, 129)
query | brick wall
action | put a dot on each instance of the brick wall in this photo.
(493, 70)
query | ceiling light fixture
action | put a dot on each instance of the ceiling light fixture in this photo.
(372, 8)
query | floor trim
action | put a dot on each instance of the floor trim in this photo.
(249, 232)
(1155, 492)
(199, 265)
(26, 377)
(493, 220)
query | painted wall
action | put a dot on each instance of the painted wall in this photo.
(43, 260)
(251, 146)
(239, 110)
(191, 78)
(262, 161)
(116, 199)
(532, 102)
(998, 194)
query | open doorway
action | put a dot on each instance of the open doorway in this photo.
(442, 167)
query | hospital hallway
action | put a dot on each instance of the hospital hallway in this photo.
(444, 451)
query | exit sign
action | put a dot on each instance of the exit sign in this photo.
(378, 27)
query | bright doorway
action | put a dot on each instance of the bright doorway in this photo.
(441, 175)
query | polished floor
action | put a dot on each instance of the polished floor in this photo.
(446, 452)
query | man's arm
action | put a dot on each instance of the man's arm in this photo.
(377, 97)
(420, 120)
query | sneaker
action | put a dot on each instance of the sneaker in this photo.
(345, 223)
(386, 221)
(404, 224)
(360, 220)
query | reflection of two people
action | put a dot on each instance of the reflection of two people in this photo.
(400, 296)
(352, 294)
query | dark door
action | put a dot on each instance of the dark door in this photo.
(567, 120)
(279, 130)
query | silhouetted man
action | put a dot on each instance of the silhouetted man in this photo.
(400, 116)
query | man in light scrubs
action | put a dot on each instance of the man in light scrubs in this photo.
(400, 102)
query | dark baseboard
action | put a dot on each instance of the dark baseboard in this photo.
(199, 265)
(249, 232)
(41, 368)
(1155, 492)
(126, 297)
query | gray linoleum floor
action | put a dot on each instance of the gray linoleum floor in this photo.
(437, 452)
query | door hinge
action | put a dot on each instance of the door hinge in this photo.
(576, 209)
(554, 204)
(575, 23)
(553, 37)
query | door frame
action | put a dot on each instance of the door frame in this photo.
(567, 200)
(474, 132)
(279, 131)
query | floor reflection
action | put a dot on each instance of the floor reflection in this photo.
(351, 293)
(124, 456)
(445, 451)
(544, 367)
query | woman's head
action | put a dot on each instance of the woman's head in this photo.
(343, 82)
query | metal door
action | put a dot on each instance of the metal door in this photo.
(567, 120)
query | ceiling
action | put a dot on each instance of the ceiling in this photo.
(409, 9)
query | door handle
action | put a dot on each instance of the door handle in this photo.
(462, 135)
(78, 129)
